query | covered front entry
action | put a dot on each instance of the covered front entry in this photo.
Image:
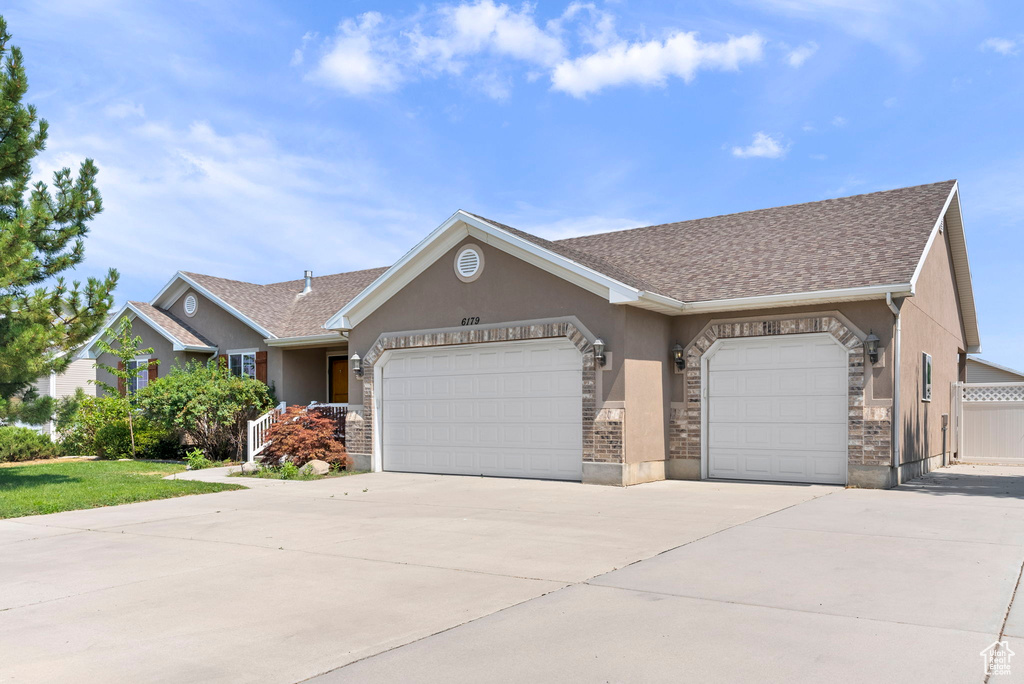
(778, 409)
(512, 409)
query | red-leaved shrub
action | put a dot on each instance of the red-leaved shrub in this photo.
(303, 436)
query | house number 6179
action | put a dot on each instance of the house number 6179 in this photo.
(472, 320)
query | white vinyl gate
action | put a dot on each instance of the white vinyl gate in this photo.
(990, 422)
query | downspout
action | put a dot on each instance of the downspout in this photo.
(896, 417)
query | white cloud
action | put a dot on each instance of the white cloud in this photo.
(195, 198)
(797, 57)
(839, 121)
(1003, 46)
(653, 62)
(763, 145)
(359, 61)
(125, 109)
(890, 102)
(486, 27)
(484, 41)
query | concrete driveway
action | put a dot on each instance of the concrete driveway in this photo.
(393, 577)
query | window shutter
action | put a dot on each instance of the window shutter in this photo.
(152, 370)
(261, 366)
(120, 381)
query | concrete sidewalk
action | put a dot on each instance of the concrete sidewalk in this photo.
(905, 585)
(288, 580)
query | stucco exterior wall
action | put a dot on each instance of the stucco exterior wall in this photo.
(648, 378)
(162, 350)
(217, 325)
(930, 323)
(304, 374)
(507, 290)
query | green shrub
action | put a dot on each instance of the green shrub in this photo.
(207, 405)
(197, 459)
(113, 440)
(93, 413)
(25, 444)
(98, 427)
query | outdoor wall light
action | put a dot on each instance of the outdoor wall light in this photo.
(871, 344)
(677, 356)
(357, 365)
(599, 352)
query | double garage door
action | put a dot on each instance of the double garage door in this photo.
(512, 409)
(778, 409)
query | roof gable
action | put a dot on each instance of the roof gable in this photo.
(277, 311)
(531, 249)
(171, 328)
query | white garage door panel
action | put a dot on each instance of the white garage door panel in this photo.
(511, 409)
(778, 409)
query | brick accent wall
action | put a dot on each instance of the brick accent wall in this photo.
(359, 426)
(869, 431)
(608, 435)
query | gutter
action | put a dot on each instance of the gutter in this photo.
(895, 388)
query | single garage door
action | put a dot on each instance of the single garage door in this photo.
(777, 409)
(512, 409)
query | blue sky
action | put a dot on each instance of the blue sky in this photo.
(253, 140)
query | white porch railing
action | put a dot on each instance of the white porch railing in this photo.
(257, 435)
(256, 440)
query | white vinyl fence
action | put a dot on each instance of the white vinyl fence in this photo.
(990, 422)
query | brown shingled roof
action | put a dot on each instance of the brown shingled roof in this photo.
(858, 241)
(173, 325)
(281, 308)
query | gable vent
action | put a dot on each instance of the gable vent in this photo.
(191, 305)
(468, 263)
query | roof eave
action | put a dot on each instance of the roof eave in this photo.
(168, 291)
(304, 340)
(953, 216)
(849, 294)
(448, 234)
(176, 344)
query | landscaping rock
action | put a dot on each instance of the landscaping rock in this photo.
(316, 468)
(250, 468)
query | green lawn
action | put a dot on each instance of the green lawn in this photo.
(51, 487)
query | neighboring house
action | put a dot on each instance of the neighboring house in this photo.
(809, 343)
(80, 374)
(729, 347)
(980, 370)
(271, 332)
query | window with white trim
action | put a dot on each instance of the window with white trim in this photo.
(926, 377)
(142, 378)
(242, 363)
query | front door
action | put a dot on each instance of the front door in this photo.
(338, 379)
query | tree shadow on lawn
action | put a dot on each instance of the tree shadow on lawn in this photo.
(11, 479)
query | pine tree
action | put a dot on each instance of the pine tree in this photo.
(42, 318)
